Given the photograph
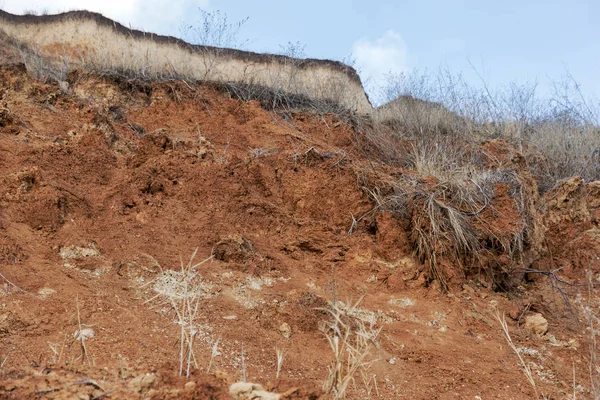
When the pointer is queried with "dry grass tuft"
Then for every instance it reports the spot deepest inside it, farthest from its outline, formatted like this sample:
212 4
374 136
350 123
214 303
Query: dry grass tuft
351 340
559 134
183 290
448 220
280 358
525 367
82 334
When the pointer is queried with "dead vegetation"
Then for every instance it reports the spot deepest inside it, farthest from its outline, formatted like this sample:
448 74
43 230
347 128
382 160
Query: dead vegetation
351 340
444 182
183 290
444 132
430 125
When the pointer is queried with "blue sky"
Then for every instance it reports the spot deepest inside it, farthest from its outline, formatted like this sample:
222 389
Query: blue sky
507 41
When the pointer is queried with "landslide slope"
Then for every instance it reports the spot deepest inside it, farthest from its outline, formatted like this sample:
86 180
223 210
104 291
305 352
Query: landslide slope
111 184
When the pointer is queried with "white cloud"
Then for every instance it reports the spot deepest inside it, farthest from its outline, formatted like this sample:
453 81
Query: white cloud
374 59
158 16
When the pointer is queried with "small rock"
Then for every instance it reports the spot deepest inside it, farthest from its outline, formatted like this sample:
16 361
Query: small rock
64 86
537 324
243 388
234 248
443 329
84 334
392 360
142 383
468 289
46 292
514 312
402 303
251 391
285 330
191 385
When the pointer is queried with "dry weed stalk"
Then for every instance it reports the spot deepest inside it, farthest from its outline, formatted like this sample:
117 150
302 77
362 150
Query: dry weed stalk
186 306
213 353
121 368
81 335
181 292
526 370
351 340
55 352
244 376
369 382
10 284
3 363
280 358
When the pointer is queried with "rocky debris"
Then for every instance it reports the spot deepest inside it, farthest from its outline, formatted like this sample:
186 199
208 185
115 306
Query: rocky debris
565 205
402 303
75 252
593 200
234 248
286 330
46 292
536 324
141 384
8 121
251 391
86 259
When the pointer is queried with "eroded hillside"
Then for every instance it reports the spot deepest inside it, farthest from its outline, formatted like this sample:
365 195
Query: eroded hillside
110 185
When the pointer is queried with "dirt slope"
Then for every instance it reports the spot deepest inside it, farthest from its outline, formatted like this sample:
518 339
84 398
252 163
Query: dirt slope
105 186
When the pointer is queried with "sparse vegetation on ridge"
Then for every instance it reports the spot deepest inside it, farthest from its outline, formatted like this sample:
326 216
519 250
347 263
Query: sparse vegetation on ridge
156 57
447 172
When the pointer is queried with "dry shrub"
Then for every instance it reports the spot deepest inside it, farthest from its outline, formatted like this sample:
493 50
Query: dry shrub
559 134
351 340
453 223
433 126
567 150
182 290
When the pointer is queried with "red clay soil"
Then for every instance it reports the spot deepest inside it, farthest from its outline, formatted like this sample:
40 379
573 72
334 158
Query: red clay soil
106 186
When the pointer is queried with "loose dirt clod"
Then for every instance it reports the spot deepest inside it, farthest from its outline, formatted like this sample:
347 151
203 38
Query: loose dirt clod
536 324
234 248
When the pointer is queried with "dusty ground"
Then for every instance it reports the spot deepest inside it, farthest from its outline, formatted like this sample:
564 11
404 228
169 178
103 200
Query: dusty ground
104 186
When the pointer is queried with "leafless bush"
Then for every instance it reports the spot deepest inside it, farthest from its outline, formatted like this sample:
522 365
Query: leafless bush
447 218
183 290
46 68
216 34
214 29
560 135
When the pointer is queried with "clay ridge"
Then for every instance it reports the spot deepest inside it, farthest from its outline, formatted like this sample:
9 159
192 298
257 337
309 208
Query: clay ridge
246 56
